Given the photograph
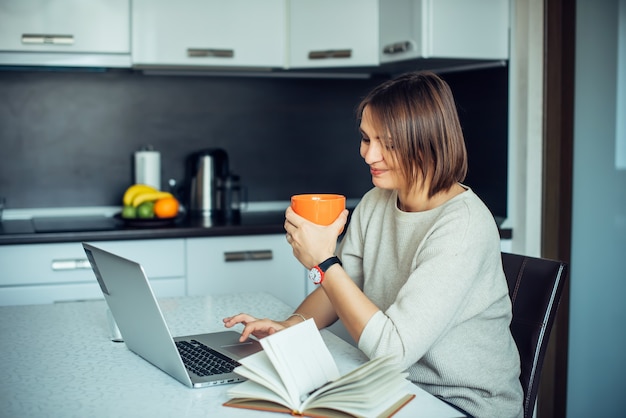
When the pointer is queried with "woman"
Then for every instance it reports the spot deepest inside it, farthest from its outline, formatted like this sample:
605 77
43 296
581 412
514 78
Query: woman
420 273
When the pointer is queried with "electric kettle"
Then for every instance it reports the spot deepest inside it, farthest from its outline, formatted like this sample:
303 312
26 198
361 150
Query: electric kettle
206 171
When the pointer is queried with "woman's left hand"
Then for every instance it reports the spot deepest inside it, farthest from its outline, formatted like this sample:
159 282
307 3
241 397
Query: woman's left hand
312 243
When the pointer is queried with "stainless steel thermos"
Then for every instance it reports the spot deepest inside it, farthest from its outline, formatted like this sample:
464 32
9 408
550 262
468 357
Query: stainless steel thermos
214 192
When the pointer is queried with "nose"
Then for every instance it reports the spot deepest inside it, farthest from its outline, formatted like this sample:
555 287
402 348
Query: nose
371 152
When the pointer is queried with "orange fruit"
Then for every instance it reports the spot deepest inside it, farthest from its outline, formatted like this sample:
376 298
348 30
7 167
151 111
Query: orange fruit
166 207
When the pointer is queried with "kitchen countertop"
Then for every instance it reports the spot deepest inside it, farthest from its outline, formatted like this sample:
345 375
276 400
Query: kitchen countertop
55 229
43 229
58 361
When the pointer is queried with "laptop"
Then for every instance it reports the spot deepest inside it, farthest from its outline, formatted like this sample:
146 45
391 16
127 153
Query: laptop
136 311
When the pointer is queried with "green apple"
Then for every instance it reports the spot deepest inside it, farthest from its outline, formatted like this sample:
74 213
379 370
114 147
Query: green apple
129 212
145 210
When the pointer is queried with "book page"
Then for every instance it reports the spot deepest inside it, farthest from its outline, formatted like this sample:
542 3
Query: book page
258 368
376 388
367 388
301 358
252 391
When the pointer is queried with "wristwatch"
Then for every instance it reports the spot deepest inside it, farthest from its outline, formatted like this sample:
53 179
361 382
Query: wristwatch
316 274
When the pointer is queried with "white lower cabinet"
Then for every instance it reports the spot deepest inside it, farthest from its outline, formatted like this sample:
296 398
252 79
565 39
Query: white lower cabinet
258 263
60 272
48 273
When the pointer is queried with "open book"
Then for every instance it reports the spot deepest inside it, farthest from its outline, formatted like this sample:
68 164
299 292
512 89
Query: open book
296 374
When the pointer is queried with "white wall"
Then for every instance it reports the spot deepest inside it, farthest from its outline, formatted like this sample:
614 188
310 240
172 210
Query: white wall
526 127
597 344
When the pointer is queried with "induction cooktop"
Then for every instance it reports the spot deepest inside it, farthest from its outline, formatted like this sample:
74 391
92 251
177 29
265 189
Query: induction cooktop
73 223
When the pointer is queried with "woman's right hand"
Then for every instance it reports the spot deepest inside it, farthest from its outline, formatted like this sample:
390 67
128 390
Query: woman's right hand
312 243
260 328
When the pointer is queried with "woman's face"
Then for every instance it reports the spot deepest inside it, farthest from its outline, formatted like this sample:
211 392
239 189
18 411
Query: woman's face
377 151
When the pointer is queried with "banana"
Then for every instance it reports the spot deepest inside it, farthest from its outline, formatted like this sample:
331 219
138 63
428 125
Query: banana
149 196
134 190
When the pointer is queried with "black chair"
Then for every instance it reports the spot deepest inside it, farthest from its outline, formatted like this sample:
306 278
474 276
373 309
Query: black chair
535 287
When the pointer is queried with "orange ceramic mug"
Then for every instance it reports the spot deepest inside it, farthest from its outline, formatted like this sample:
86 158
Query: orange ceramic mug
321 209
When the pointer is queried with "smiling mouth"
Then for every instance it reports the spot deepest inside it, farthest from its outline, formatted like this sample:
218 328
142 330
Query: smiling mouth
377 171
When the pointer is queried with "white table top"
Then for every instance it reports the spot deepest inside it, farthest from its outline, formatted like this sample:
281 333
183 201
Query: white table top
57 360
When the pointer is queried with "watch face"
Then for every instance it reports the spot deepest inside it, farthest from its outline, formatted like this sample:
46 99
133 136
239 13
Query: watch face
315 275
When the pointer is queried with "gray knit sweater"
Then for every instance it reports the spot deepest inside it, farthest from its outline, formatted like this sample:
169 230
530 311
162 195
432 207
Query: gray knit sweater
444 306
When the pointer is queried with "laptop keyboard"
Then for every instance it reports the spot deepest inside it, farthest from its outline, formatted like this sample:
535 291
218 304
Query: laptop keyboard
203 360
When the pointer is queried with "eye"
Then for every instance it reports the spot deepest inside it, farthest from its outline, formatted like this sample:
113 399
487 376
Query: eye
365 140
388 144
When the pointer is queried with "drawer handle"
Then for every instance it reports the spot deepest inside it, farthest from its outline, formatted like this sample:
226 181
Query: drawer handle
43 39
330 54
71 264
214 53
398 47
248 255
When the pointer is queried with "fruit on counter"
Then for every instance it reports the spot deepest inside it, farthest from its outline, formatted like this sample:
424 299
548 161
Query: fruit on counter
143 201
133 191
166 207
129 212
150 197
146 210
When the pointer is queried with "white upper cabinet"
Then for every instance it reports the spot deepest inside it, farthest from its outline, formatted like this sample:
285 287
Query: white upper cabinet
333 33
65 32
210 33
400 30
351 33
250 34
466 29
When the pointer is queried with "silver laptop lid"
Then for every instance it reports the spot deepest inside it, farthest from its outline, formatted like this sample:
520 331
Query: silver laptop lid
127 291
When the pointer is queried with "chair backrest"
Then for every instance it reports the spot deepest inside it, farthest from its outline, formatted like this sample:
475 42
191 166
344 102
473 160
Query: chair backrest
535 287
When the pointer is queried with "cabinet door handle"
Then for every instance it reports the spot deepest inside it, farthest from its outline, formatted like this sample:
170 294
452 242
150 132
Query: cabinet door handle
71 264
330 54
398 47
210 52
46 39
248 255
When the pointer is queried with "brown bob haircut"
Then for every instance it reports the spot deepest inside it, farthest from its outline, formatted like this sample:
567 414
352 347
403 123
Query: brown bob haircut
417 112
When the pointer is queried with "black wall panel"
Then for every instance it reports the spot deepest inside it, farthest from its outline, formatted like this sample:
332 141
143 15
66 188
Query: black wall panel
67 138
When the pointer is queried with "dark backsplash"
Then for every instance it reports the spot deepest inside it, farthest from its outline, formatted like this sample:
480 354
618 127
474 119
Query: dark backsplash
67 138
